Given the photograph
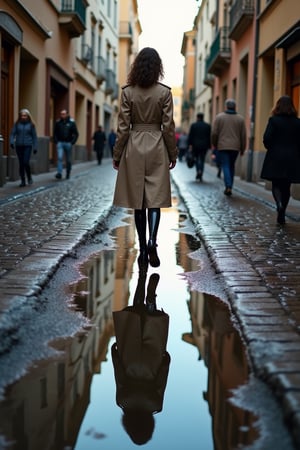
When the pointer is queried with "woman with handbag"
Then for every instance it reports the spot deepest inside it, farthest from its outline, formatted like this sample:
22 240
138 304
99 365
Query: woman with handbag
145 149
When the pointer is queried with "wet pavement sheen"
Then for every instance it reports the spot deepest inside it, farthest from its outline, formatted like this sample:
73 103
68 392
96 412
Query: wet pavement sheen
257 259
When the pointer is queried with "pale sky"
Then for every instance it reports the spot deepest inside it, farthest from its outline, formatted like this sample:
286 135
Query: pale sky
163 24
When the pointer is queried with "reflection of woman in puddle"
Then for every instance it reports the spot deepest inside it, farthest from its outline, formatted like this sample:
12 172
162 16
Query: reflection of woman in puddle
141 362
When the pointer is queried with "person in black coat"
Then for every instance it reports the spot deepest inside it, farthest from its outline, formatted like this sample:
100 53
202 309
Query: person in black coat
99 138
65 136
199 142
281 165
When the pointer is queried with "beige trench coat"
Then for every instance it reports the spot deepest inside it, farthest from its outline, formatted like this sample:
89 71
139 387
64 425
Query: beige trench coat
145 146
141 361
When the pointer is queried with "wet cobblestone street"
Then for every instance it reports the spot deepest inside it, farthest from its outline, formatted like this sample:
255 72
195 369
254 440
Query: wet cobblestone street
258 259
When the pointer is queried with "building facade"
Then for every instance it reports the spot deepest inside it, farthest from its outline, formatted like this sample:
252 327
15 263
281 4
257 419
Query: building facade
188 50
58 54
253 57
205 34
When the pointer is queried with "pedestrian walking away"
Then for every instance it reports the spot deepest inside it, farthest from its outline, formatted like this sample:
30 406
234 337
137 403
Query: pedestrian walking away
99 138
182 144
23 139
145 149
65 136
199 143
111 141
281 165
229 137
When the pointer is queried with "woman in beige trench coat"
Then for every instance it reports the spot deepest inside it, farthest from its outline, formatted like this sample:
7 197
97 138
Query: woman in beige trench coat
145 149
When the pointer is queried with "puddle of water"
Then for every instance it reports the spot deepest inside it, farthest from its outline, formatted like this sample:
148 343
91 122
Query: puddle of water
70 402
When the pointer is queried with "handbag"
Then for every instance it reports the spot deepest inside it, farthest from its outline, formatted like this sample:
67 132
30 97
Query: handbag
190 160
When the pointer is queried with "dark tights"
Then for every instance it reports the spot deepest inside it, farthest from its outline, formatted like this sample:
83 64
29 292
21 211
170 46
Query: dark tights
281 190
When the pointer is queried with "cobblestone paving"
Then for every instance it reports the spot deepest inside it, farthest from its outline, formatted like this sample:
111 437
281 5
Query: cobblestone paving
40 225
258 259
260 263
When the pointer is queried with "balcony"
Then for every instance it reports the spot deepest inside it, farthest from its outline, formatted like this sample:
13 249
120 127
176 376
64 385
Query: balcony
125 30
87 54
72 16
208 79
101 69
110 82
220 53
241 16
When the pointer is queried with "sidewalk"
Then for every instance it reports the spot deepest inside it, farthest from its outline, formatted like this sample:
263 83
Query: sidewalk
39 230
259 261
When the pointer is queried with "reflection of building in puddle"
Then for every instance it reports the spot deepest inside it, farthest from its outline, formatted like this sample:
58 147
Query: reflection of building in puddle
186 244
46 407
223 352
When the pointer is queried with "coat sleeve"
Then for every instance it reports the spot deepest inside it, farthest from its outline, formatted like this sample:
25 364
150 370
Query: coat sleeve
214 133
124 120
267 136
168 126
75 133
190 136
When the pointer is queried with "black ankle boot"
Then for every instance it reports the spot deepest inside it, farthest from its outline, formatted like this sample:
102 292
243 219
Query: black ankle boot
151 294
281 216
153 257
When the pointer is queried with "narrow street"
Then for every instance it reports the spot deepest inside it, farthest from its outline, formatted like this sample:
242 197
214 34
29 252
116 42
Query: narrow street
231 261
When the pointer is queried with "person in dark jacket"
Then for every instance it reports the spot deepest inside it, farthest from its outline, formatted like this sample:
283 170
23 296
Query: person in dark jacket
199 143
65 136
99 139
23 139
281 165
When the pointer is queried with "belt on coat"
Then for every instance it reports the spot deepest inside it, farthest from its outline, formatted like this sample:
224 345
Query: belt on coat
145 127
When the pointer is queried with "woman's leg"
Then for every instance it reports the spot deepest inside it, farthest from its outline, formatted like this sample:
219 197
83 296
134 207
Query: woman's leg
140 224
20 155
281 195
27 155
286 193
153 224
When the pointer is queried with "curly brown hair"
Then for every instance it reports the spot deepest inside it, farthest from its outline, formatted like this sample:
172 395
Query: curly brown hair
147 68
284 106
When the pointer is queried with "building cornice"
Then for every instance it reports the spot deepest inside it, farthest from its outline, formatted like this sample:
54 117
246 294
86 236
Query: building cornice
29 17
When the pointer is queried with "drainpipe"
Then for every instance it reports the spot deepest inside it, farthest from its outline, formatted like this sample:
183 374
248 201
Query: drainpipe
252 122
